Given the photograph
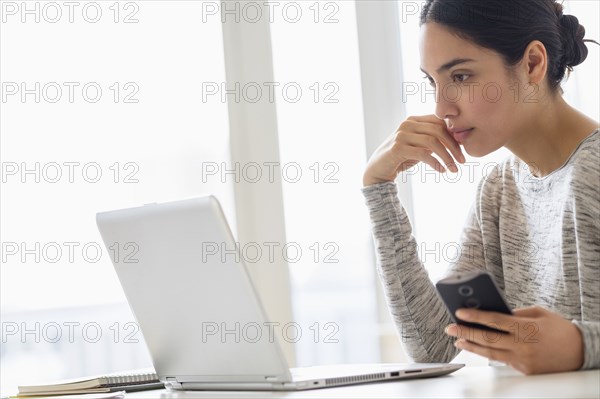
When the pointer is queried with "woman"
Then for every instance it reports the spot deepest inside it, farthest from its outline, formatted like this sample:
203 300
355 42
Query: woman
543 201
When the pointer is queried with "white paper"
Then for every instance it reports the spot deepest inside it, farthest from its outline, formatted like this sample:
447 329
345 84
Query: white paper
107 395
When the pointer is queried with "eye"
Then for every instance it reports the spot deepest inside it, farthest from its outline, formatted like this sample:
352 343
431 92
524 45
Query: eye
465 76
430 80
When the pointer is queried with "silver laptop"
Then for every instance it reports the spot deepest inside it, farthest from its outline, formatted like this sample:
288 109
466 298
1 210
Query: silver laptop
200 316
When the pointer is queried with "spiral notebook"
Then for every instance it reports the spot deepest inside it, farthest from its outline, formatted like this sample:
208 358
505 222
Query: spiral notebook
127 381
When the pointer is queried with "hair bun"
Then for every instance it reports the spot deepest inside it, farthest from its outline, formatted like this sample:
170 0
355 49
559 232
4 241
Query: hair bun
575 50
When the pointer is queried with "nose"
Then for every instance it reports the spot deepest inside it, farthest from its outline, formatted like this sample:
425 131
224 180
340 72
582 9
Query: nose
446 101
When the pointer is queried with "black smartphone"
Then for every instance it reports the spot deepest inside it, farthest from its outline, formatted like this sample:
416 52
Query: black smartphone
472 290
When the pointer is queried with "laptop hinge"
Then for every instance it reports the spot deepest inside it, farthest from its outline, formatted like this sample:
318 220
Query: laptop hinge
171 382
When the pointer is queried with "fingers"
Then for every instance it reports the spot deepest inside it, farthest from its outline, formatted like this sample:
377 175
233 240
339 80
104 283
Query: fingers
416 140
433 144
443 134
427 118
487 318
421 154
531 311
515 329
497 354
481 337
434 137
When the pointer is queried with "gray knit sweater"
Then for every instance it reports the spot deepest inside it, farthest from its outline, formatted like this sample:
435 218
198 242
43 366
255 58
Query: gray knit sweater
538 237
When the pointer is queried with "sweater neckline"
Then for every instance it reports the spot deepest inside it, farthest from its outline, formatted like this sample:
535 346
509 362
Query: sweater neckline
532 177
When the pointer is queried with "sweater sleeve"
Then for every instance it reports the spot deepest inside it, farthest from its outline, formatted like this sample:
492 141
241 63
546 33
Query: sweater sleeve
419 314
590 331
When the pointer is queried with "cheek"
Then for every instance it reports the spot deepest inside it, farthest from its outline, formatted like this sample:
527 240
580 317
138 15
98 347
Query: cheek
493 109
492 114
505 114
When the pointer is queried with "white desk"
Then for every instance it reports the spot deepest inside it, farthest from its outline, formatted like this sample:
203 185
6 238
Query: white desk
468 382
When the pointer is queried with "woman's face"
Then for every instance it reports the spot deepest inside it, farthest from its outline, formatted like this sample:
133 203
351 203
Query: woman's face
478 94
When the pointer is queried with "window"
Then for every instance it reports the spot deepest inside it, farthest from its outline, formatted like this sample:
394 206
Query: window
321 134
102 113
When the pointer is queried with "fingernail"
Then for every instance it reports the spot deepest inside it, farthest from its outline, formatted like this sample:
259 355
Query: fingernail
462 158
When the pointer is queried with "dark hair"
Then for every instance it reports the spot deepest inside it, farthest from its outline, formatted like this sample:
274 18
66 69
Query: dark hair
508 26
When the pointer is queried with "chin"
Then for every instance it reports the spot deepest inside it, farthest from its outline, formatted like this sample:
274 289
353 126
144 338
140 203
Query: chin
476 151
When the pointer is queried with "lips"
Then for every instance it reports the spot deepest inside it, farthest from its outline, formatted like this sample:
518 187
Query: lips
460 134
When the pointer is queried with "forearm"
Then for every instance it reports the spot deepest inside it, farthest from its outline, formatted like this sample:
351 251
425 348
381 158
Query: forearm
418 313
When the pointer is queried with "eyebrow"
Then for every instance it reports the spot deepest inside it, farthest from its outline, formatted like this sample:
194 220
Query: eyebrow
450 64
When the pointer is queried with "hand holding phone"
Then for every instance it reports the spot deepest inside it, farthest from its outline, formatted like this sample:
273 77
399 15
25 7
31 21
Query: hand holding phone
472 290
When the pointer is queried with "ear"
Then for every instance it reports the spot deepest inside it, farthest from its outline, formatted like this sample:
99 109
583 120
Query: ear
535 62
